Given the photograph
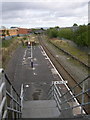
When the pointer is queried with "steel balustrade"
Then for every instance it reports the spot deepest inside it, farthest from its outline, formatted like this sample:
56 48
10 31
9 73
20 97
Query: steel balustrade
10 101
54 93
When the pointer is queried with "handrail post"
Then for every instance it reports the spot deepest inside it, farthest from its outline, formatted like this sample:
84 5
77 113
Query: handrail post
4 93
83 89
52 90
72 101
11 102
16 106
22 95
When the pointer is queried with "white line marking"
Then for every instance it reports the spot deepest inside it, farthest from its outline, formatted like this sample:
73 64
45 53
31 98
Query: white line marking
57 55
46 58
61 78
34 68
53 71
35 73
35 59
27 86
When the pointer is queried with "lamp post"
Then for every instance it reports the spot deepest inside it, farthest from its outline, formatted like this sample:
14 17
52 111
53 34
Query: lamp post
31 51
31 56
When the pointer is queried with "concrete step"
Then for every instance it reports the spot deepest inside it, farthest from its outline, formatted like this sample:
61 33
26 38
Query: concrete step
40 109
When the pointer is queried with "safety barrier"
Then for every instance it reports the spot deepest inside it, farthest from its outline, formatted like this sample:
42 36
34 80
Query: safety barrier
10 101
63 98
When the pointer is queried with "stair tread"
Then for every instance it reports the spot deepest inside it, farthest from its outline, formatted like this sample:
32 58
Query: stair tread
39 103
40 109
41 113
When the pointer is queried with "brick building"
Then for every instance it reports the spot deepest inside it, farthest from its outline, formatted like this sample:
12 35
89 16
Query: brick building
14 31
23 31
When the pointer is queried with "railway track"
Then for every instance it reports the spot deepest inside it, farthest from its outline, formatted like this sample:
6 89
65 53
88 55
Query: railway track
75 58
65 74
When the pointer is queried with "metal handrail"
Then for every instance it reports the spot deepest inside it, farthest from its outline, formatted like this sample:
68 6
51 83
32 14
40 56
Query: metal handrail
76 106
9 108
22 95
11 85
2 105
57 96
76 86
75 96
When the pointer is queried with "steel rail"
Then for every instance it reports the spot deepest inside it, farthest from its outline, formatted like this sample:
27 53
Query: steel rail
66 75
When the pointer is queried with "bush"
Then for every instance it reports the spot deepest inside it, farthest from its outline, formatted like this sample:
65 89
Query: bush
80 36
65 33
52 33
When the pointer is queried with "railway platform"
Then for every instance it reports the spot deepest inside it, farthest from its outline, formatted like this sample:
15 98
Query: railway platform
36 92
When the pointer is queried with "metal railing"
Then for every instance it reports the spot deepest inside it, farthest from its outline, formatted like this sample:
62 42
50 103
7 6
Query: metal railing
62 99
10 101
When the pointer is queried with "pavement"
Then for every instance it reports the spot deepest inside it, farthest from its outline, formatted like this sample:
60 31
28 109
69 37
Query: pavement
36 80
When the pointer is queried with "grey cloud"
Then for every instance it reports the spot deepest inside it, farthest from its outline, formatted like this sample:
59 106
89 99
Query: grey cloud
40 12
14 6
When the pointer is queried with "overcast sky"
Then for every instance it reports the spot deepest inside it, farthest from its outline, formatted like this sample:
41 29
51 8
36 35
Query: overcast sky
44 13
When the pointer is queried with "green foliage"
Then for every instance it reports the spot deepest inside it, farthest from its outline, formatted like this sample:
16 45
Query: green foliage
3 33
7 32
75 24
57 27
65 33
6 43
88 35
80 36
52 32
24 38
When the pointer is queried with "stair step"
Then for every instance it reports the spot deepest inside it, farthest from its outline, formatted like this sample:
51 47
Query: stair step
39 103
40 109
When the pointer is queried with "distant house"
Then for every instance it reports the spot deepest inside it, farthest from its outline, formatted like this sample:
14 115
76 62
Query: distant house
14 31
38 31
23 31
0 33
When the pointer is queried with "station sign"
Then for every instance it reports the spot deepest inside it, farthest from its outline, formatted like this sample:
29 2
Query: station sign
60 82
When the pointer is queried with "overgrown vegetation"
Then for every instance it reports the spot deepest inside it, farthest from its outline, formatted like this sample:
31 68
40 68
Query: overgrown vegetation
6 43
66 46
8 46
79 36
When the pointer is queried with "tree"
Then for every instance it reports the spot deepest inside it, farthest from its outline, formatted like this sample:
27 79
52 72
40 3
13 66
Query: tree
52 33
65 33
75 24
81 36
8 33
57 27
42 29
4 32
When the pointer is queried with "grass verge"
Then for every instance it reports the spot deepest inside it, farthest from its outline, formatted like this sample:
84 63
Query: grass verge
65 45
7 49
